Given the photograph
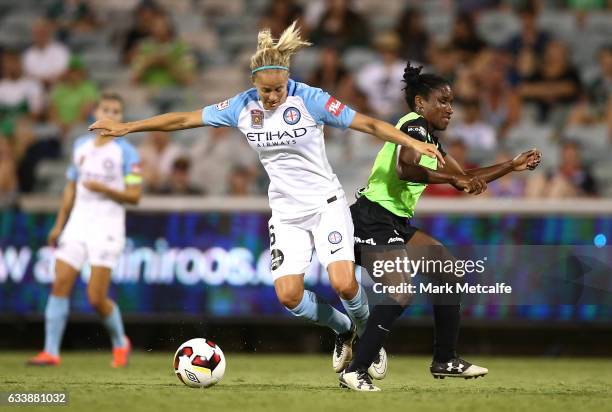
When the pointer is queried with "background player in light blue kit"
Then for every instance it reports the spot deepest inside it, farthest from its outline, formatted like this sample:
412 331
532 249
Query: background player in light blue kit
90 228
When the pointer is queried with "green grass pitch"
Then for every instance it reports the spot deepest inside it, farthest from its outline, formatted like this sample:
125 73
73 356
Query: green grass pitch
295 383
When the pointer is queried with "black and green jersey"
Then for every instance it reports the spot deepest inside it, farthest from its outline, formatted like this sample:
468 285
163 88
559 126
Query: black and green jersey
384 186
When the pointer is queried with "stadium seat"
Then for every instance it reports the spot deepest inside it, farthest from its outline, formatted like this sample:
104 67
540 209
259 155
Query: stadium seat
600 22
497 26
305 62
560 24
50 176
602 172
439 25
44 131
592 139
101 58
529 132
357 57
19 23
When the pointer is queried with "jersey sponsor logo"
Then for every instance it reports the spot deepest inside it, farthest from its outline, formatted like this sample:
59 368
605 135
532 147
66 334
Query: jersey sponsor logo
334 106
334 237
417 129
86 175
395 240
368 241
291 116
277 258
257 118
223 105
276 138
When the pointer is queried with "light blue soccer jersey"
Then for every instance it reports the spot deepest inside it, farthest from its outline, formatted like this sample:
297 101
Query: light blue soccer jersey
290 143
114 164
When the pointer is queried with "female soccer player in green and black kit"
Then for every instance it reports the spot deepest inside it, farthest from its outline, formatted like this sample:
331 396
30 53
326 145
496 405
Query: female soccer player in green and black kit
381 218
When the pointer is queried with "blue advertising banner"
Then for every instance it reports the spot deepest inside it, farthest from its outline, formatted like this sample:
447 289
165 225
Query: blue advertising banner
217 264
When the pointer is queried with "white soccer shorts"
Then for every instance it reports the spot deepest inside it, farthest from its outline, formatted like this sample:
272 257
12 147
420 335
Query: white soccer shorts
104 251
329 233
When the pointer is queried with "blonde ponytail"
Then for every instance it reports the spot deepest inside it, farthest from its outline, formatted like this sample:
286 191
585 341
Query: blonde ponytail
277 55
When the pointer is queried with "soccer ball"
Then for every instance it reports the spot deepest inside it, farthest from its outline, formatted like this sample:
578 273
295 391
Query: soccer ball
199 363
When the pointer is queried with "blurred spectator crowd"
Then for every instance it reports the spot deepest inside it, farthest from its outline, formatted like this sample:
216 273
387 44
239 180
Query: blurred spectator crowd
524 73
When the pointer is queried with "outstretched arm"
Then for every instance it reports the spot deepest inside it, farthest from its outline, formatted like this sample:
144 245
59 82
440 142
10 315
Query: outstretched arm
387 132
164 122
523 161
409 169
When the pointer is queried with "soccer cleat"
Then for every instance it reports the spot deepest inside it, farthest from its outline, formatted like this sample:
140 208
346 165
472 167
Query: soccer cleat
44 359
378 368
357 381
343 349
121 355
456 368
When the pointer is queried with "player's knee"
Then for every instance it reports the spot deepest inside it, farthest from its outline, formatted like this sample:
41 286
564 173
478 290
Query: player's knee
289 298
345 288
96 300
60 288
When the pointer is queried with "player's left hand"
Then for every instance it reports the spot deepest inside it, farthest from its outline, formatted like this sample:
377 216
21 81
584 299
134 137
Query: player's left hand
95 186
527 160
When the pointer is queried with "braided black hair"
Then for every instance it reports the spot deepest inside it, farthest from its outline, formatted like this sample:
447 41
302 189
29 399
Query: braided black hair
420 84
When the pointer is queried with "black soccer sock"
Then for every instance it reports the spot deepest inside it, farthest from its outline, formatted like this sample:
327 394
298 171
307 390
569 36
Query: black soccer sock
378 327
447 321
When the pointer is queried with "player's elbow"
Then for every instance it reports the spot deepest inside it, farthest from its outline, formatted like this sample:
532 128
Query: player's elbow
134 200
365 124
375 126
412 173
189 120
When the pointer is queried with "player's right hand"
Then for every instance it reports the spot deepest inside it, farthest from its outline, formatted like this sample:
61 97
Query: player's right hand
109 128
470 184
53 236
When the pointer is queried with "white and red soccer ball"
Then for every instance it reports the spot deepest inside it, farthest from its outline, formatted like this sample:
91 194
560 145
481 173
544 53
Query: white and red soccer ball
199 363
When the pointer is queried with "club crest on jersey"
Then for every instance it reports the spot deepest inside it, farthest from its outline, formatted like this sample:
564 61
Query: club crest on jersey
223 105
292 115
334 237
108 164
257 118
334 106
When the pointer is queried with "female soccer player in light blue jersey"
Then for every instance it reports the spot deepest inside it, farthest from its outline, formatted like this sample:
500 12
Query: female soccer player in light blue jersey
283 121
90 228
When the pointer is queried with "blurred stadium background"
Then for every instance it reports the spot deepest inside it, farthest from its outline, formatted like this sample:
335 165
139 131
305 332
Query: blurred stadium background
525 74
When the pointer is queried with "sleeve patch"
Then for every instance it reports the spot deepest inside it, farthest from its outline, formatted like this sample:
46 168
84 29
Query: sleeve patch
417 129
334 106
223 105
